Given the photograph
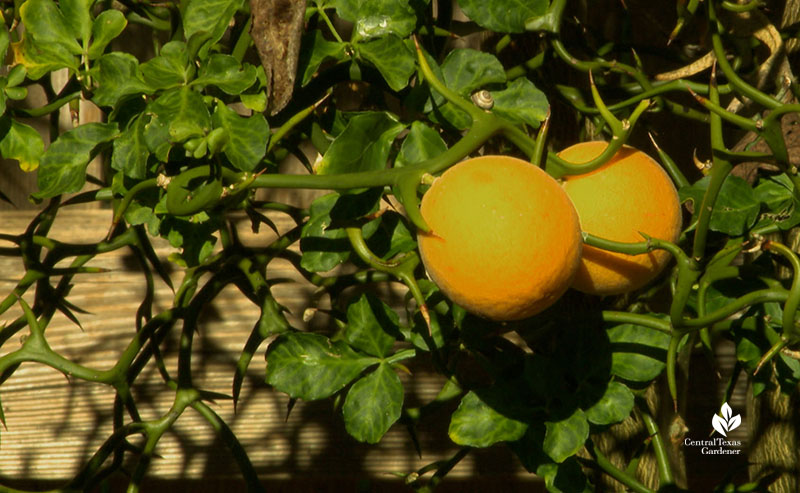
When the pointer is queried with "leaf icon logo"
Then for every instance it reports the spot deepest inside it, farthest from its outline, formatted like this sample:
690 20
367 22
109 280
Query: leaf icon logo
727 422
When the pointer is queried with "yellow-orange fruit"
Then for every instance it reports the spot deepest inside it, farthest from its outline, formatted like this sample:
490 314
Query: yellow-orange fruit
505 241
629 194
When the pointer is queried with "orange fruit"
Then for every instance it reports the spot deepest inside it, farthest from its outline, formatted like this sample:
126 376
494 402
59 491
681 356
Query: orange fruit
505 241
629 194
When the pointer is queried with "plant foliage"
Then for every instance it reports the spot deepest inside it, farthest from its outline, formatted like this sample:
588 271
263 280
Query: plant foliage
191 132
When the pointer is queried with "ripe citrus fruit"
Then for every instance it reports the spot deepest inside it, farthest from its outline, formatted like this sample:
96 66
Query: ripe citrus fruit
505 241
629 194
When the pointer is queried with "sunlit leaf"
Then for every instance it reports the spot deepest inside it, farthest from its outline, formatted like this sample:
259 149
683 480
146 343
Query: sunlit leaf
131 151
108 25
466 70
615 405
374 18
736 208
184 112
363 145
521 102
392 59
62 168
311 366
118 75
372 326
209 17
21 142
77 17
225 72
170 68
477 424
564 438
373 404
247 137
503 15
421 143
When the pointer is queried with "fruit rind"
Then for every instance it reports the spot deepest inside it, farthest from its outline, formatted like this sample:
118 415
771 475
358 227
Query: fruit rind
505 241
629 195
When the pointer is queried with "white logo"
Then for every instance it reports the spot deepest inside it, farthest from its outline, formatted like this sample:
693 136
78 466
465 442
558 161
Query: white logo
727 422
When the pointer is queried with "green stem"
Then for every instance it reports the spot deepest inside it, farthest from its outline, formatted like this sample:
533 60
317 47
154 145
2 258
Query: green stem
752 298
328 23
672 366
609 468
719 172
402 268
244 41
558 167
49 108
294 120
648 321
539 150
659 447
450 95
737 82
669 164
788 326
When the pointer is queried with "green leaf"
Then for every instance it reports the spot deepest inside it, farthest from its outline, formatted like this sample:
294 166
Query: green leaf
477 424
247 137
131 151
62 168
521 102
170 68
77 17
323 248
372 326
117 75
421 143
195 237
5 40
638 353
567 476
311 366
364 144
564 477
505 16
375 18
373 404
565 438
107 26
21 142
775 193
615 405
392 59
185 113
48 42
156 136
323 240
46 23
40 58
225 72
735 210
392 237
315 49
209 18
255 102
466 70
